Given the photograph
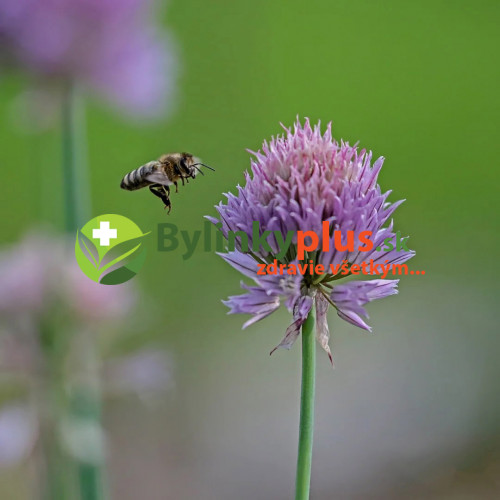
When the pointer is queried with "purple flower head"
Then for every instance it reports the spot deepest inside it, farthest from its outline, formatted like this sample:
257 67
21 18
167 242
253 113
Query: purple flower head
39 275
299 180
109 46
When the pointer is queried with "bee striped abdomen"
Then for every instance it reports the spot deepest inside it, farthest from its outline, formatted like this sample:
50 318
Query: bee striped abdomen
137 179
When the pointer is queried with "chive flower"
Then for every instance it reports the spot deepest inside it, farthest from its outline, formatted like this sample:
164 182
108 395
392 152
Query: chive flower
298 181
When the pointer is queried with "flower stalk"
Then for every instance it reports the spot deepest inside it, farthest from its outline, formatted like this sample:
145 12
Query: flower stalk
49 401
299 181
85 406
85 398
306 426
75 175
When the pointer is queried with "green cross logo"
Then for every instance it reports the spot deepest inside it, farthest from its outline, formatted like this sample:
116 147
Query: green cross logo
109 249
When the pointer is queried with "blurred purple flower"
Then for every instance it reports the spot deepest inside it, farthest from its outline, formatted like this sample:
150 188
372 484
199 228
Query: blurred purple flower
300 180
109 46
40 274
48 307
43 289
90 301
22 280
145 373
18 433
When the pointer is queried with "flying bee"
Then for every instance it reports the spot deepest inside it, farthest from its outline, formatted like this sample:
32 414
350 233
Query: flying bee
159 175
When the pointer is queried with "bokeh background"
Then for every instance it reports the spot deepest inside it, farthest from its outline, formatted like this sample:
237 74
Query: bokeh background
410 411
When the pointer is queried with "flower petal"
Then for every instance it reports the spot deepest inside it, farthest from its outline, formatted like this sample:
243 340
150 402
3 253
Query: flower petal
256 302
351 297
242 262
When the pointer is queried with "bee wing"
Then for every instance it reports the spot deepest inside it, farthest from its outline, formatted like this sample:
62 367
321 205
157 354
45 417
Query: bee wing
151 166
157 173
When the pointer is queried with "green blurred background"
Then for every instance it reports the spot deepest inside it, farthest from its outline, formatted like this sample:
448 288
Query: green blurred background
409 412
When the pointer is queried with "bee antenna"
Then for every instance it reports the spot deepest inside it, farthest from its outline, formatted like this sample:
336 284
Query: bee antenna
213 169
199 170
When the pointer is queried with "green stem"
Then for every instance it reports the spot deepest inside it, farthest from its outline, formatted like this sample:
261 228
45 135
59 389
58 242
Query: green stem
90 482
75 175
49 402
306 428
85 406
85 399
91 475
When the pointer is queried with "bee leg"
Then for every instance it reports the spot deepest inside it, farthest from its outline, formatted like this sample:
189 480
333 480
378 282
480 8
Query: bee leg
156 190
176 187
182 178
166 198
163 193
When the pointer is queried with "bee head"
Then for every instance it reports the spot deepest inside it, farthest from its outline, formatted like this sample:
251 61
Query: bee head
195 164
186 165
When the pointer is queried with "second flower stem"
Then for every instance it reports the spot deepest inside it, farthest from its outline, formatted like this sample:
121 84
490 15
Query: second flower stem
306 428
76 190
84 402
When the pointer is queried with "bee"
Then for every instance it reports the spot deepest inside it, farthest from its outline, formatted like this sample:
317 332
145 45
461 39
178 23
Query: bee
159 175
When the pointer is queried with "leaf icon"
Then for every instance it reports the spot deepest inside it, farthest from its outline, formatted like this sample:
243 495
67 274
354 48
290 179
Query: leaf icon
117 276
124 269
88 249
121 263
119 250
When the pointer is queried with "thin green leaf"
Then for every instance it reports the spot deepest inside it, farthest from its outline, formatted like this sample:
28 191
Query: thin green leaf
121 263
119 250
88 249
